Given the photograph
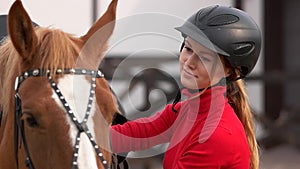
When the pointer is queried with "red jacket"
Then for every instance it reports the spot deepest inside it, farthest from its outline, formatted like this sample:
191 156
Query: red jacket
204 134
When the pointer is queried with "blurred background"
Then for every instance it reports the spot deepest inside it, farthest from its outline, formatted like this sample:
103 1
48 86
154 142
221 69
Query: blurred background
141 63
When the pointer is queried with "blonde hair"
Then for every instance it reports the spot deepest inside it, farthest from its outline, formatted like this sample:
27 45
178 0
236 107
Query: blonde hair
238 99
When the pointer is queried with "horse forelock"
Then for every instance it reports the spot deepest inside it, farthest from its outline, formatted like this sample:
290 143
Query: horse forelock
56 49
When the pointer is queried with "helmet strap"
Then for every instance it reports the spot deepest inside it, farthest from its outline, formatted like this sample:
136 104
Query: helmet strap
182 46
234 76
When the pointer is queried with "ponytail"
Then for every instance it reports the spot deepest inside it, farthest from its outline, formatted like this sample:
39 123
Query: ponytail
237 96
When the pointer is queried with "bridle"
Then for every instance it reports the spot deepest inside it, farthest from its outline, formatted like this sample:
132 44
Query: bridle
81 126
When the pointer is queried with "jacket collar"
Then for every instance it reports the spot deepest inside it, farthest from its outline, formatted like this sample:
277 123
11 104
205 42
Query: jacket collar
212 97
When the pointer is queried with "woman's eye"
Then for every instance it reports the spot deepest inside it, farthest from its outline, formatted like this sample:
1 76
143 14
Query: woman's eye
188 49
205 59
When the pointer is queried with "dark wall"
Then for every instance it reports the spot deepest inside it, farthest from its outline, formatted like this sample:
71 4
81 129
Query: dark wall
291 50
273 13
282 60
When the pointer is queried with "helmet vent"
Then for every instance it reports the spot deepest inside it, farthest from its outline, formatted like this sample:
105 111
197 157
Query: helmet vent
243 48
204 12
220 20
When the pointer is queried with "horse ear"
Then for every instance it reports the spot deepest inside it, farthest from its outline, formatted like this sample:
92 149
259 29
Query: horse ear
21 30
107 22
95 40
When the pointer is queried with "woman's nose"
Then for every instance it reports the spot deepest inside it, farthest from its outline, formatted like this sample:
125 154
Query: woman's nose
191 61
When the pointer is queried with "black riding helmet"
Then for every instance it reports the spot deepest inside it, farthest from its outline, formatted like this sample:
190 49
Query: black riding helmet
227 31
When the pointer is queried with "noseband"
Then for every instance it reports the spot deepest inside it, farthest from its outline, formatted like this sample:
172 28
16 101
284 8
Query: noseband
81 126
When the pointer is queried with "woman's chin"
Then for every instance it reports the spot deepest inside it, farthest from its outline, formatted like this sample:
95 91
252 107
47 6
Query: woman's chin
191 84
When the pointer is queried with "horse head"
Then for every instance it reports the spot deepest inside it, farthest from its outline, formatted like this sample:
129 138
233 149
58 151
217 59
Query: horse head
57 107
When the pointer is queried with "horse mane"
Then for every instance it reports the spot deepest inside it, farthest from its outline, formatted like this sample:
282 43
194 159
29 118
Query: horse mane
9 58
55 50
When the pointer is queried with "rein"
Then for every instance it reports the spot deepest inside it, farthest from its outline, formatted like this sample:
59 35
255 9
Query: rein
81 126
1 114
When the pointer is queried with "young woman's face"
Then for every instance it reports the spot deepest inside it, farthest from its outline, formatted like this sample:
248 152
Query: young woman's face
199 66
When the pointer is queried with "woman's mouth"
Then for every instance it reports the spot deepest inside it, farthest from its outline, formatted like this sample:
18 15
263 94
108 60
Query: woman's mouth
188 74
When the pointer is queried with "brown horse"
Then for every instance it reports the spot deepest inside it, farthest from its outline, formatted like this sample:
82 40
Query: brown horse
56 105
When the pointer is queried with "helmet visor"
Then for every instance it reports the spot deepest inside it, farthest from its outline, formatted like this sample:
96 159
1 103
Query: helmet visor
192 31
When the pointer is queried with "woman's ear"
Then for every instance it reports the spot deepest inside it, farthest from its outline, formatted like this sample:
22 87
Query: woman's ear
228 72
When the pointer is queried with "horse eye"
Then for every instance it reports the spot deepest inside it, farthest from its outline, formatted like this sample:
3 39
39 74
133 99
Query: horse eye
31 121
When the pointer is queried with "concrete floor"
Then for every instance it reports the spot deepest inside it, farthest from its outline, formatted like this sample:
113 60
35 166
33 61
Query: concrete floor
281 157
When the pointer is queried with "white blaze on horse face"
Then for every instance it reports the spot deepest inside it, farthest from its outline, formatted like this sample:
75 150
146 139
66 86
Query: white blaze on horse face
76 90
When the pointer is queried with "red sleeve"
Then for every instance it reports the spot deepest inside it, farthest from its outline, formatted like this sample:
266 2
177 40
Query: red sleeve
143 133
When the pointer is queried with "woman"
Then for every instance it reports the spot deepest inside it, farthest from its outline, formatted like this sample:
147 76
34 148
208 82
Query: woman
213 127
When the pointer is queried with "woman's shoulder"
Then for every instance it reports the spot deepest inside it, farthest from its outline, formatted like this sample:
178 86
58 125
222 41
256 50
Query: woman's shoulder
230 123
230 133
228 130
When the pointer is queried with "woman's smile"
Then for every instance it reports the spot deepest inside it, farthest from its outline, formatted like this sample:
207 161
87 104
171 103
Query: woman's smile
188 74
